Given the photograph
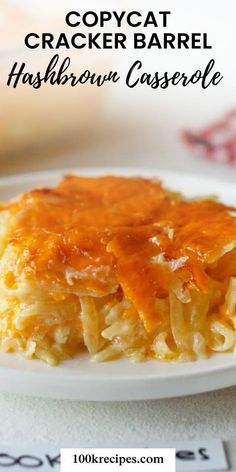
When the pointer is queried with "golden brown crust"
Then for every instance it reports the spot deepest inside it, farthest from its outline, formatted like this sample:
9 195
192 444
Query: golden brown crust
98 234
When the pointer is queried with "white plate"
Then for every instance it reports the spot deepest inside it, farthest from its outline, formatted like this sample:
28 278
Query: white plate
80 379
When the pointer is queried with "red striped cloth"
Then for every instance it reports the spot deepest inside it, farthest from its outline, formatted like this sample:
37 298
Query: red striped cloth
217 141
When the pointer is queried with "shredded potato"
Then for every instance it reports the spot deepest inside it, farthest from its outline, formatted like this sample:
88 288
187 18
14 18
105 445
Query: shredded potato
116 267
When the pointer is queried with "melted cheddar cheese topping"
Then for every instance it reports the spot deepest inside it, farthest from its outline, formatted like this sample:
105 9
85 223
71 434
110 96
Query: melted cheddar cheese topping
127 238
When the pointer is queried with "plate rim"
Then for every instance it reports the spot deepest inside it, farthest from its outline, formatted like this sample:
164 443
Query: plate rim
135 171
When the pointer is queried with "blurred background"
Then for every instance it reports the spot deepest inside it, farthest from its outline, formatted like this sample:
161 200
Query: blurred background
57 127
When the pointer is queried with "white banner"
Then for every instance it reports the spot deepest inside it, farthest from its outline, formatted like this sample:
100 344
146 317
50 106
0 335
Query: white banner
122 460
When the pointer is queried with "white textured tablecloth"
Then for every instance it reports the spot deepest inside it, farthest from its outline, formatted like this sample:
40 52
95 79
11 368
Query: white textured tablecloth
36 421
